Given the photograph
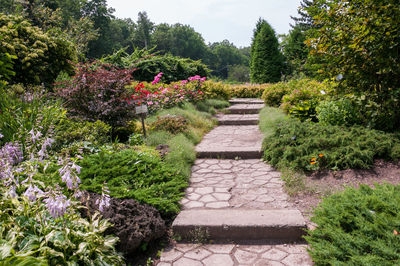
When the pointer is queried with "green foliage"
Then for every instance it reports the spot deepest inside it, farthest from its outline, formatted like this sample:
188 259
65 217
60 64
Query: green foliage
304 98
247 90
266 60
349 34
29 236
182 154
40 57
298 145
239 73
69 131
170 123
273 94
211 105
341 112
295 50
147 65
216 90
357 227
270 118
136 139
137 175
19 112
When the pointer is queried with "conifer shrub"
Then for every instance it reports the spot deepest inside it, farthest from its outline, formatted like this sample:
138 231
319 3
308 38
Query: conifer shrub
357 227
310 146
247 90
137 175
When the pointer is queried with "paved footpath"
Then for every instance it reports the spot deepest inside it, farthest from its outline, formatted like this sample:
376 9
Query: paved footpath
235 202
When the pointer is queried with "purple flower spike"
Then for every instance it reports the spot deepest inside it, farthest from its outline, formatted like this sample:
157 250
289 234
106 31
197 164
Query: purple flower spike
33 192
57 204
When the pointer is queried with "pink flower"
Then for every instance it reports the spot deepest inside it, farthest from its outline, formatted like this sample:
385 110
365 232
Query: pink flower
149 103
203 79
183 82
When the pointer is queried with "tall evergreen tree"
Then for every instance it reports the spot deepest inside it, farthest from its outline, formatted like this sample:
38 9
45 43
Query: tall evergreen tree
304 21
266 60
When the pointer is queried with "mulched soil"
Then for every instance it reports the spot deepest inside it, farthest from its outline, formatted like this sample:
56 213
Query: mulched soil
325 182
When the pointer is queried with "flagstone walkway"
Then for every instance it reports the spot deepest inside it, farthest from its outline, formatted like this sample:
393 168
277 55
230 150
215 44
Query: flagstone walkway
235 202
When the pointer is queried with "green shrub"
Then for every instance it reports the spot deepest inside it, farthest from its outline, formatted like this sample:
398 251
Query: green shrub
136 139
357 227
210 105
341 113
137 175
148 65
69 131
171 123
216 90
273 94
182 154
20 112
40 57
304 98
247 90
311 146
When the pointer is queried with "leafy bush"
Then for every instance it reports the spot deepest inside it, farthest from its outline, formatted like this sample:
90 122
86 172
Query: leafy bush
137 175
171 123
273 94
69 131
357 227
247 90
216 90
40 57
39 224
97 92
304 98
20 112
311 146
148 65
341 113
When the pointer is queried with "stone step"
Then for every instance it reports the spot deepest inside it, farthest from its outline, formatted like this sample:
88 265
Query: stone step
245 108
238 119
246 101
240 225
231 142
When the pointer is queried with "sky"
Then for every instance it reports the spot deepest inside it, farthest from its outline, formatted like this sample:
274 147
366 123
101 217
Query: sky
215 20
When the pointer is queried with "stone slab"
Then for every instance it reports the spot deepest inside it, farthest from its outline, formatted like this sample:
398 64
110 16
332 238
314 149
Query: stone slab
245 108
238 119
230 254
227 184
246 101
231 142
241 224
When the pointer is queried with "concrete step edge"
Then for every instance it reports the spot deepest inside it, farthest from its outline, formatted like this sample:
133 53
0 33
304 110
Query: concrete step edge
240 225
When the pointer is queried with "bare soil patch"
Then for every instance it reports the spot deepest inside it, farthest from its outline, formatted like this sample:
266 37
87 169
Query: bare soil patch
324 183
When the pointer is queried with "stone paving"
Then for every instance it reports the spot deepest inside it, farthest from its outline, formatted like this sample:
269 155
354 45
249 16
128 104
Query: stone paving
246 101
230 255
235 184
238 185
234 139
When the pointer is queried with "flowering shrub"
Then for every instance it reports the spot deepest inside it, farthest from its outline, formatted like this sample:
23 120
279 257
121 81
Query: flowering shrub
40 225
167 97
97 92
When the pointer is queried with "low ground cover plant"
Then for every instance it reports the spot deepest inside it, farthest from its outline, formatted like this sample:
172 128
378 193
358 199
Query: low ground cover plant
310 146
137 175
357 227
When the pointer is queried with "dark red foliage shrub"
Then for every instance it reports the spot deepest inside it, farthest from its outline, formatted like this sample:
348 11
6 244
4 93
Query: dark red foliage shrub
97 92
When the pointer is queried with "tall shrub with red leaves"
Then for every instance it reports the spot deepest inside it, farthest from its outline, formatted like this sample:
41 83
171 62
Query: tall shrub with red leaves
97 92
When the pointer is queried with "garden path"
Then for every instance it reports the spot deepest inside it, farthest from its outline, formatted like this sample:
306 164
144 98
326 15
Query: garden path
235 202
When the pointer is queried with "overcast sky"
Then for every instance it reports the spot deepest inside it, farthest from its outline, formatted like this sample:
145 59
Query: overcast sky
215 20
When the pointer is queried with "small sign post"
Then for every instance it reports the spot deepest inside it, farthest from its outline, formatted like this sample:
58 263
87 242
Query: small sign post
142 110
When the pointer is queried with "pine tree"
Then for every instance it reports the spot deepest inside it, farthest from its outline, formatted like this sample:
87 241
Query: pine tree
304 21
266 60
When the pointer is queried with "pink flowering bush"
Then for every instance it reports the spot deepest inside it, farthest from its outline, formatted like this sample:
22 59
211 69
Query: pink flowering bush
167 96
